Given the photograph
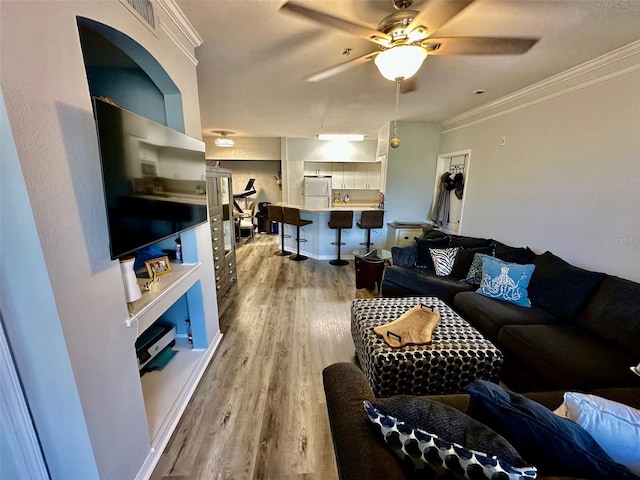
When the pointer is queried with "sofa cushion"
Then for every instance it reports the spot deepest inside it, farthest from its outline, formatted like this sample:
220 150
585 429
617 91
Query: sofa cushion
566 356
613 312
430 232
443 259
557 446
448 423
561 288
489 315
423 256
469 242
415 281
435 457
615 426
404 256
505 281
464 259
514 254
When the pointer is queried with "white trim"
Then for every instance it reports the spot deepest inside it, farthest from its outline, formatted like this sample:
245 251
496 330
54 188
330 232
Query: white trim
161 439
174 38
443 159
17 426
178 17
460 121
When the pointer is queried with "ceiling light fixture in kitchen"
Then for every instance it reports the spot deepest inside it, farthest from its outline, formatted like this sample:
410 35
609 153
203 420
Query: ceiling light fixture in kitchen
223 141
341 137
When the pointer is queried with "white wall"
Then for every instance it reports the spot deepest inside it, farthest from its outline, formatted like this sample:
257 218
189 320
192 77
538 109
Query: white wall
567 179
78 299
411 172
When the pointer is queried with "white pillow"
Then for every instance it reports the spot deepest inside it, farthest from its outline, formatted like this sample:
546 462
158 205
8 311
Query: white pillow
443 260
615 426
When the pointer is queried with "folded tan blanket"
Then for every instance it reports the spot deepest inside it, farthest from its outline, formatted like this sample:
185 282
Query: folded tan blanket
413 327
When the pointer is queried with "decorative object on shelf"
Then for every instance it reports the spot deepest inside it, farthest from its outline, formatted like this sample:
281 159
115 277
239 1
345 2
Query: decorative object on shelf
131 288
223 141
158 266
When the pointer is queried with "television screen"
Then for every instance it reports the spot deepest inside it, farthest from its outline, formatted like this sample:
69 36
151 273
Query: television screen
153 179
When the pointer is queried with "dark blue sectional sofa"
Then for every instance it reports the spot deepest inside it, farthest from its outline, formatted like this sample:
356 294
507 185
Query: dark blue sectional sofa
581 332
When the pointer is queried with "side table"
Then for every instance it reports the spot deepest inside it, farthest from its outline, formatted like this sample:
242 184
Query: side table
370 267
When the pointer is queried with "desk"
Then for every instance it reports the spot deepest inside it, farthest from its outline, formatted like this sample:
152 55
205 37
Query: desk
370 267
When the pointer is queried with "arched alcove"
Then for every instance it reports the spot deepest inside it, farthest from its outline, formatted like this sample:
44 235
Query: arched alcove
118 67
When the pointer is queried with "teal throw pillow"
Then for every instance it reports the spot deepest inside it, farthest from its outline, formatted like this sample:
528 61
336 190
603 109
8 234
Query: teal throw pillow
505 281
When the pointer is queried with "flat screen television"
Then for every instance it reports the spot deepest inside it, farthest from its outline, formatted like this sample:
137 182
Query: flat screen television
142 205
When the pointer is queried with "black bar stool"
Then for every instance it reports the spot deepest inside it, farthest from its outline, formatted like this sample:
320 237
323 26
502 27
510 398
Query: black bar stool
292 217
276 215
339 219
368 220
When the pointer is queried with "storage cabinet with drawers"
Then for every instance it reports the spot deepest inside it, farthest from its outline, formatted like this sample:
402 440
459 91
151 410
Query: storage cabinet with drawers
220 199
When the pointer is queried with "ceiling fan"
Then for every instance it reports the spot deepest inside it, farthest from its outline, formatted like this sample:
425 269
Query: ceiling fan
406 37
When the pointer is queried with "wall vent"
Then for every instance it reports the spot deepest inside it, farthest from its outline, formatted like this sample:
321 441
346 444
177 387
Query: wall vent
145 9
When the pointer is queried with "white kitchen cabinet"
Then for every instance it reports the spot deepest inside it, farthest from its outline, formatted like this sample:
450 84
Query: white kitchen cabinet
317 168
367 176
343 176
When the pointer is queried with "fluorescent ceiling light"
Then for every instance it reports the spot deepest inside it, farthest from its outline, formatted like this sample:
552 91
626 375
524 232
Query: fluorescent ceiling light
400 62
337 137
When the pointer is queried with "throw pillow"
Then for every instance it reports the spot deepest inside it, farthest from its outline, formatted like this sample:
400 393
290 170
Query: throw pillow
561 288
615 426
469 242
505 281
557 446
423 256
450 423
443 259
474 276
435 457
404 256
464 259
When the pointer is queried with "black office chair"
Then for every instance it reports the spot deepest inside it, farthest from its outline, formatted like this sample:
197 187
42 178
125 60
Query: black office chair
292 217
339 219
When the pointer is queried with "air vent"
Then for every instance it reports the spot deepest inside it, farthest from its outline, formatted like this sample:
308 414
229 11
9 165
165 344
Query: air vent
145 9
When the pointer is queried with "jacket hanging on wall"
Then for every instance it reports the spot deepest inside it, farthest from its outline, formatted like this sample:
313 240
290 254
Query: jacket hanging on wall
458 185
440 210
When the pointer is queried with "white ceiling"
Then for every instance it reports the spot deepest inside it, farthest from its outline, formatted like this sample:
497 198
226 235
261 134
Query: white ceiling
254 59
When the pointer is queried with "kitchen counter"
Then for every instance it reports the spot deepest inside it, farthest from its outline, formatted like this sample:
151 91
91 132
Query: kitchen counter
319 236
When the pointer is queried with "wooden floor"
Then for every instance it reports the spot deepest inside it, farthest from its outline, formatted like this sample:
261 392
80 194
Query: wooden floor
259 411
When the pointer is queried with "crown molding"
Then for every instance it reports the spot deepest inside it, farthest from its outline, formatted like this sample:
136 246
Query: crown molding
174 38
536 92
178 17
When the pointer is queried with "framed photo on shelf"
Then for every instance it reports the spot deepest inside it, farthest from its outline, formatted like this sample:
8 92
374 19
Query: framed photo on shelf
158 266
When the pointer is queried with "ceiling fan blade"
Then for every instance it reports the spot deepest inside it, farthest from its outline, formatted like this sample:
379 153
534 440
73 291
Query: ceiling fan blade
343 67
363 31
478 45
437 13
408 85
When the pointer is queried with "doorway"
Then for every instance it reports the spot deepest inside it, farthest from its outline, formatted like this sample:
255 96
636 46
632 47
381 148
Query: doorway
449 191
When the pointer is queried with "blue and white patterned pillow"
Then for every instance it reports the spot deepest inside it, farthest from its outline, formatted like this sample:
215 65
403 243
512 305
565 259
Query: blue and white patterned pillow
505 281
436 458
443 260
474 277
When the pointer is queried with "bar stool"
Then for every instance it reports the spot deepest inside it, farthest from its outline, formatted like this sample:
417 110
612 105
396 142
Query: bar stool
339 220
276 215
292 217
368 220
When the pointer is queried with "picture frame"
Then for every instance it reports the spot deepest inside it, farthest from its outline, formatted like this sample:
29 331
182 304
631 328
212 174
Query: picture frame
157 267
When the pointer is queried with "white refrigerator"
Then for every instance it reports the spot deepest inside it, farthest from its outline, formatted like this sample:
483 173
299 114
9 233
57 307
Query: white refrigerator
317 192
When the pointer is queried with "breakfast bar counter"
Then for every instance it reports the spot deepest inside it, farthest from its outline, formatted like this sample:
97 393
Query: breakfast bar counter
320 237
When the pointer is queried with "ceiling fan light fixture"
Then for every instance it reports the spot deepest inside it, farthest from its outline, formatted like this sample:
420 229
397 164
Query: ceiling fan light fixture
224 142
400 62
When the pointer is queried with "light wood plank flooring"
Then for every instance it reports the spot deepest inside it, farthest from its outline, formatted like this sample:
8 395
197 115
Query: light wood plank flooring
259 411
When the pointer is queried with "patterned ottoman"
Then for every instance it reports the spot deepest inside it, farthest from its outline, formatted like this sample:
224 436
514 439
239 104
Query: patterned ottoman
458 354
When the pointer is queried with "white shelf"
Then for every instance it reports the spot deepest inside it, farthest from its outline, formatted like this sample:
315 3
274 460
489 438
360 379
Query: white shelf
170 287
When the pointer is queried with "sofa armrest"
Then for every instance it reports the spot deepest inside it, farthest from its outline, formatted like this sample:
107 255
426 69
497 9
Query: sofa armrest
360 453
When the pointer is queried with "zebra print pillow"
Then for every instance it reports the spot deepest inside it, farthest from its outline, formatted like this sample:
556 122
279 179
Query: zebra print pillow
443 259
